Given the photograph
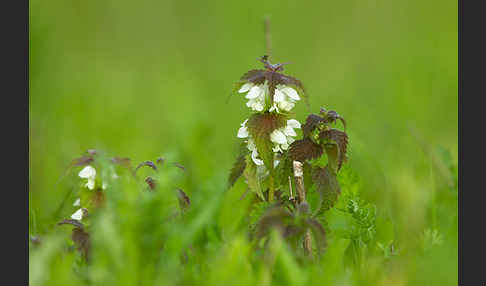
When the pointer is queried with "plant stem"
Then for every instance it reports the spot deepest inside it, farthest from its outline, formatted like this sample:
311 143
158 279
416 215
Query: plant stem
268 37
299 183
271 188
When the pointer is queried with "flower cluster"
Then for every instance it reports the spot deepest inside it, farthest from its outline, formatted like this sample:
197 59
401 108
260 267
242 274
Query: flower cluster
88 173
281 138
284 97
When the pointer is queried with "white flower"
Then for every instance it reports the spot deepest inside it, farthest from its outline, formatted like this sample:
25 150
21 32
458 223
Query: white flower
77 203
255 92
277 136
251 145
246 87
243 131
254 157
257 104
293 123
88 173
284 98
284 136
78 215
256 95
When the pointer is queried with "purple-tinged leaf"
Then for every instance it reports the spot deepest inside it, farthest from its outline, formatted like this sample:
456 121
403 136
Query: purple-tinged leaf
341 139
312 121
254 76
150 182
160 160
184 201
327 186
74 222
148 164
304 149
82 241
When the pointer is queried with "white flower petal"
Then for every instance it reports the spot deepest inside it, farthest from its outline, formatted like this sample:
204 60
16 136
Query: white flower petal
290 92
290 140
78 215
242 132
284 146
77 203
255 92
293 123
244 123
90 184
275 163
246 87
286 105
273 108
104 186
276 149
251 145
258 106
254 156
278 137
278 96
87 172
289 131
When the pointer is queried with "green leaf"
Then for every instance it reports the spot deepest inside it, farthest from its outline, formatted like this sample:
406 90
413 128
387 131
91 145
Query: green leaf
251 176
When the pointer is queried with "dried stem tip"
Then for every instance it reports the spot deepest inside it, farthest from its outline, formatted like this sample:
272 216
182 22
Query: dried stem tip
298 171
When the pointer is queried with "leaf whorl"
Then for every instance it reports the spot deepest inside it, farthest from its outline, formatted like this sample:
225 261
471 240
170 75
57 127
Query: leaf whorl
254 76
341 139
304 149
311 122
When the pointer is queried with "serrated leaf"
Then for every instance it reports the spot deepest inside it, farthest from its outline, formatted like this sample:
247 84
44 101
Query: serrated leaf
341 139
327 186
238 167
311 122
260 126
304 149
254 76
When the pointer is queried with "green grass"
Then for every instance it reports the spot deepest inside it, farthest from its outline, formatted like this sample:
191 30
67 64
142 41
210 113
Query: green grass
151 78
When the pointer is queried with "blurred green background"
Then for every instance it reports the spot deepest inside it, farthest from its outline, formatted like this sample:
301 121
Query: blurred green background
143 78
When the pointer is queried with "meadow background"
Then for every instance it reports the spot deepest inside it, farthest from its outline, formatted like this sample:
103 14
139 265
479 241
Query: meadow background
143 79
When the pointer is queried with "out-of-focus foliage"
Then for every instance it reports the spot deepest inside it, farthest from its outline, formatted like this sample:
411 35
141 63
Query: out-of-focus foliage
150 79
